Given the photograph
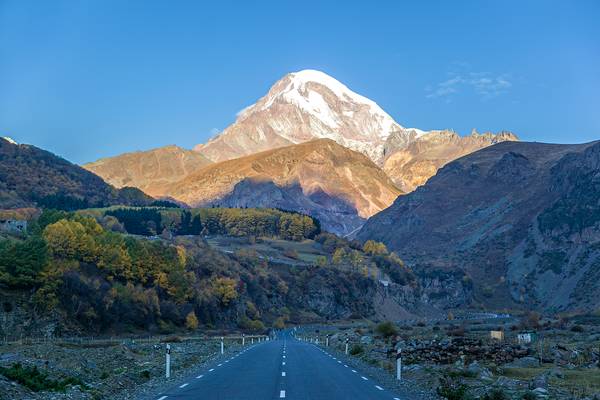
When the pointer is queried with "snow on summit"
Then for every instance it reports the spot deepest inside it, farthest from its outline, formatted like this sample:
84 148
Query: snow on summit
307 105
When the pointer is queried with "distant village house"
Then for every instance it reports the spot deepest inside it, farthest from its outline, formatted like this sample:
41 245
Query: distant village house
497 335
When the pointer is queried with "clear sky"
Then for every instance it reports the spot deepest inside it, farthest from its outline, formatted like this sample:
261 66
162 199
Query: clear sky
88 79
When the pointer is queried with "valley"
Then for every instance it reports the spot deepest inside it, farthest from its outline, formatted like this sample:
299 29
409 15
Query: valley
314 218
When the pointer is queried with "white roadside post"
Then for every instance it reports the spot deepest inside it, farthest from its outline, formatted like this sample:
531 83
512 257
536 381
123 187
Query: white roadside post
243 340
347 345
251 340
168 363
222 345
327 341
399 364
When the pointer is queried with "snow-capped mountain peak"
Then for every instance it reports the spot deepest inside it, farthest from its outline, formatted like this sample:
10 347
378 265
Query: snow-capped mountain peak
303 106
9 139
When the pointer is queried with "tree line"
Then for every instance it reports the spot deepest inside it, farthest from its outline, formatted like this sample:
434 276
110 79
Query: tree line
218 221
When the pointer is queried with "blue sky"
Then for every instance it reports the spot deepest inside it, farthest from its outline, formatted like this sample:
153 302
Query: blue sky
88 79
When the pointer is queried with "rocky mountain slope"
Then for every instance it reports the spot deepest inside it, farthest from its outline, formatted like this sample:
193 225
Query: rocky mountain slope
30 176
308 105
522 219
321 178
151 170
412 165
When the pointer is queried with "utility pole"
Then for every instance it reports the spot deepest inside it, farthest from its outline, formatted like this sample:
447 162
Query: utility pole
399 364
168 364
221 344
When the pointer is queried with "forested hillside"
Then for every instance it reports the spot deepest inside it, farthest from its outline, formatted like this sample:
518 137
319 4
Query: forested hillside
89 277
30 176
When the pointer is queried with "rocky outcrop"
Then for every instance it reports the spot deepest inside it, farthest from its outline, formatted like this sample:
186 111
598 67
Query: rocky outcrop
411 163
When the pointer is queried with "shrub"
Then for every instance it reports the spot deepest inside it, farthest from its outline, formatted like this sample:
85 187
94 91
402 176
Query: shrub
386 329
452 390
577 328
495 394
37 381
356 350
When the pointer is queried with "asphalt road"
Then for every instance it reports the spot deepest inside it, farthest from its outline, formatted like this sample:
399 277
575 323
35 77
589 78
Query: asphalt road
285 368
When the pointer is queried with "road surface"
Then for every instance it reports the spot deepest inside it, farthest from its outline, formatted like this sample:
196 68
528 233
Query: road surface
285 368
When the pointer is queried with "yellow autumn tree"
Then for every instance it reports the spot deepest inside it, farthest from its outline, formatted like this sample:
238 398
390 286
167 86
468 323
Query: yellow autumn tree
371 247
191 321
225 290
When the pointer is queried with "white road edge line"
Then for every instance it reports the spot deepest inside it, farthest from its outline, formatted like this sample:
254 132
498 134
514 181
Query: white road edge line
282 394
379 387
184 385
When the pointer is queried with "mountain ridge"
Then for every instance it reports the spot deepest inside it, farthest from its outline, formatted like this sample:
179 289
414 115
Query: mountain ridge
503 214
319 174
149 170
30 176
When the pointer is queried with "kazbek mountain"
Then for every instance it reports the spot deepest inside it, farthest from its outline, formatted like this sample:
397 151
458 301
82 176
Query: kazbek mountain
304 106
339 186
300 108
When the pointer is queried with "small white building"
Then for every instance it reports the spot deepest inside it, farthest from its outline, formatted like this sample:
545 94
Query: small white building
525 337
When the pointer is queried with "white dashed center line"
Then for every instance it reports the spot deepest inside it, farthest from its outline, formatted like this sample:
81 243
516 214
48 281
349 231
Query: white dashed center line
283 373
163 398
282 394
354 370
219 365
211 370
378 387
184 385
199 376
364 378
